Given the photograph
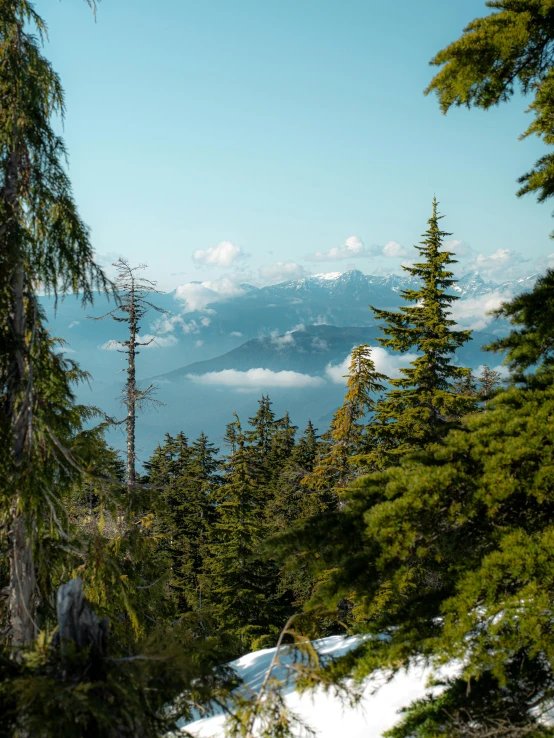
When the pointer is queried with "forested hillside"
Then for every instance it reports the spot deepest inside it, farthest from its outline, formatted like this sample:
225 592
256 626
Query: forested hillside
411 507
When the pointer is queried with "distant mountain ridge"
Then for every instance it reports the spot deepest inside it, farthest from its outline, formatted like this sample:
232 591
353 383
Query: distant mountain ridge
301 325
334 298
309 350
356 284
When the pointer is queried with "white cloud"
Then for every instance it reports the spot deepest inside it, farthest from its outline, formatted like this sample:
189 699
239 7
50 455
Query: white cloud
150 340
385 363
198 295
236 334
223 255
281 271
74 323
544 262
459 248
190 327
287 339
503 264
393 250
499 264
471 313
198 343
257 378
353 247
106 259
168 323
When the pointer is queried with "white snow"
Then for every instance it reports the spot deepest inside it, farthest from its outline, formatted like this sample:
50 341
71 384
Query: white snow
324 712
328 275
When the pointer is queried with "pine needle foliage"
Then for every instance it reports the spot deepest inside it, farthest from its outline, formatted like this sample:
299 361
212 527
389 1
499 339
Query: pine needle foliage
531 345
423 404
447 556
242 587
509 50
43 244
347 435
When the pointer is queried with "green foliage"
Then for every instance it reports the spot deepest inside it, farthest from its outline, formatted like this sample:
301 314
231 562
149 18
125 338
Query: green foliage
243 588
447 556
120 696
531 346
184 480
512 47
423 404
347 436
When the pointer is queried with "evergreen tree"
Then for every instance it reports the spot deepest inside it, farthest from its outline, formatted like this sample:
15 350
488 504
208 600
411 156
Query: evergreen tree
259 440
510 48
489 380
423 403
447 555
282 446
292 503
466 385
531 345
242 587
306 451
43 242
193 493
50 460
347 434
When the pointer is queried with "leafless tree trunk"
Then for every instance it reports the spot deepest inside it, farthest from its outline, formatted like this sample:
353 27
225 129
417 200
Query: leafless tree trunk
133 305
131 389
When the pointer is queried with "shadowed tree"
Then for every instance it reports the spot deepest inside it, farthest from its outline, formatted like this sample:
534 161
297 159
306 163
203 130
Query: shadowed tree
44 245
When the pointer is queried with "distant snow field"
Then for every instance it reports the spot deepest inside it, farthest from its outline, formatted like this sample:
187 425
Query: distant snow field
326 714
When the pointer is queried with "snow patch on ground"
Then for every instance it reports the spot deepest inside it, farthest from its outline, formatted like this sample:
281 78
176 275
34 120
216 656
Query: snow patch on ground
325 713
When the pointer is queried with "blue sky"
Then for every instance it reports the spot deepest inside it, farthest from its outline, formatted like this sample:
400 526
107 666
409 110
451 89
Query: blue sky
229 141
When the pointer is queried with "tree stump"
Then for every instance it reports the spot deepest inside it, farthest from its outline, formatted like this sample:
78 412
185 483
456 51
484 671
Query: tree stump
77 621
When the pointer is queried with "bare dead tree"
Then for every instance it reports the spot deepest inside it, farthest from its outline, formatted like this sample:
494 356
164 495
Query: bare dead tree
133 305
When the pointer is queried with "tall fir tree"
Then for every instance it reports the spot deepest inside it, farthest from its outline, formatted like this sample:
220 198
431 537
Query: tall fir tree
44 244
447 555
241 585
423 403
49 457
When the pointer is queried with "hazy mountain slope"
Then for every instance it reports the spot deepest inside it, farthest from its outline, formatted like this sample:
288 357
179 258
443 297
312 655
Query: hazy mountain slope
310 350
259 327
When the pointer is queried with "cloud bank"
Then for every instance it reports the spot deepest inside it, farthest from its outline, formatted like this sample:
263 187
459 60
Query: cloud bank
282 271
353 247
256 378
198 295
472 313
